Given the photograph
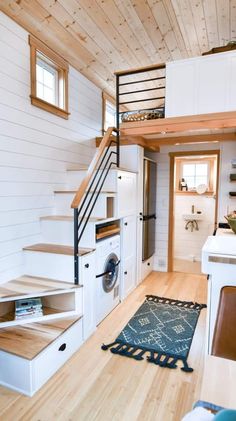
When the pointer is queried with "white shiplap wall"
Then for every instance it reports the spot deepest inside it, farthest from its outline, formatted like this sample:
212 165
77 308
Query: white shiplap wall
228 152
36 147
188 245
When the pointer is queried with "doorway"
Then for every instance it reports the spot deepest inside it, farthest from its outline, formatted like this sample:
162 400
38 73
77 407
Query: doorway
193 207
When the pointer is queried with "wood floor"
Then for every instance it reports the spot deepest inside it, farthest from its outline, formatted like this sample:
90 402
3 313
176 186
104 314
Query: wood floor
97 385
186 266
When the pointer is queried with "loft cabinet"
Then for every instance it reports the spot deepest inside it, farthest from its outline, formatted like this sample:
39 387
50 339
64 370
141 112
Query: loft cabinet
128 255
201 85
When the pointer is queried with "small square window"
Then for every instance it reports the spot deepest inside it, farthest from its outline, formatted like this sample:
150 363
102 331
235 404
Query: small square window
195 173
109 112
49 79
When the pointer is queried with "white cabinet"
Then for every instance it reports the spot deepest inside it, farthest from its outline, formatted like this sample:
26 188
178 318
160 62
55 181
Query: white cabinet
219 262
201 85
128 255
55 355
126 193
87 273
27 374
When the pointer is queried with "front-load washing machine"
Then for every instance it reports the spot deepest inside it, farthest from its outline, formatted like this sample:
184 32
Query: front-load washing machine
108 276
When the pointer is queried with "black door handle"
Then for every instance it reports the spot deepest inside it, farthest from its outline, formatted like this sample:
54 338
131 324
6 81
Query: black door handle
86 265
125 273
126 223
62 347
119 177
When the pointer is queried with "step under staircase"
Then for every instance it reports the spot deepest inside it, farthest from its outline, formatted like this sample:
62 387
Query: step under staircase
32 349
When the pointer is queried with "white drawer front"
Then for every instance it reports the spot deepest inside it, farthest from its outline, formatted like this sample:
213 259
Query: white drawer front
15 372
51 359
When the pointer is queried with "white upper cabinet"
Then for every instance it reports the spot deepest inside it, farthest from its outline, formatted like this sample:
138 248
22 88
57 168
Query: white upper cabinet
126 193
200 85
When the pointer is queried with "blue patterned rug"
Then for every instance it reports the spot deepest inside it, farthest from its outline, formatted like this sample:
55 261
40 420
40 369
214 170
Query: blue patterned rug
163 328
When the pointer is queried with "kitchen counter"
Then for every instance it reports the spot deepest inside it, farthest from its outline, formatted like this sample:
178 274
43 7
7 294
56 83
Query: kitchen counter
219 382
219 262
225 231
221 245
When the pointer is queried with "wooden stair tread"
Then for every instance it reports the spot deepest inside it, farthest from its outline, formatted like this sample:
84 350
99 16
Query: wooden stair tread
28 340
32 285
57 249
67 218
75 191
98 139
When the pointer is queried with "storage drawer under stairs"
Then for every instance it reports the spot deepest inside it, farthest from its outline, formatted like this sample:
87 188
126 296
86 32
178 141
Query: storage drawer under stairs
32 353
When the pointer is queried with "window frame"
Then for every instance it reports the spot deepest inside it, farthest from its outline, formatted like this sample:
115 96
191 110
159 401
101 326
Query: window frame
106 98
62 69
179 173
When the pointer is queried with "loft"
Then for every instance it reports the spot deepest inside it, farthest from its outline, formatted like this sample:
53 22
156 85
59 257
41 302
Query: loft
191 110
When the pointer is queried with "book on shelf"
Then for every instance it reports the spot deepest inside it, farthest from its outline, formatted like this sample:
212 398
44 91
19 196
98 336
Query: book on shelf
28 308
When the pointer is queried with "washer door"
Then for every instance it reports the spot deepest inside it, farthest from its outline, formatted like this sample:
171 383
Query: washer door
111 271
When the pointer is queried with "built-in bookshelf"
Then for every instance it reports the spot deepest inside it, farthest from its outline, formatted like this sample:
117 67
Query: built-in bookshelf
56 300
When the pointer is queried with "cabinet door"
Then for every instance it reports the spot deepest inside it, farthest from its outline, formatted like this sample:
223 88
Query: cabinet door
180 88
126 193
232 85
129 236
129 275
212 79
128 256
87 271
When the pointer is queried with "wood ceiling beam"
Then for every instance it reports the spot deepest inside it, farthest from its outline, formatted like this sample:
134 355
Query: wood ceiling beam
180 124
211 137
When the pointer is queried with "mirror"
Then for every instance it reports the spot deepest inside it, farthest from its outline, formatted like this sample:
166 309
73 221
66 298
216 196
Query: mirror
201 188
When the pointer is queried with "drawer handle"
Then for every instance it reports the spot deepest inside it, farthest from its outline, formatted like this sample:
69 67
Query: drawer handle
119 177
86 265
125 272
62 347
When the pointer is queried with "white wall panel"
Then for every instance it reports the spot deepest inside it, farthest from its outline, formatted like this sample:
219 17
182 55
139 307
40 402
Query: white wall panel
36 147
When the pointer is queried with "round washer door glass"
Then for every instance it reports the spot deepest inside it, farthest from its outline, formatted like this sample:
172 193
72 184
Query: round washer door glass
111 270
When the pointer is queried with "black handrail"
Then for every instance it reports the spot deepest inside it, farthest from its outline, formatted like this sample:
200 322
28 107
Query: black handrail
83 213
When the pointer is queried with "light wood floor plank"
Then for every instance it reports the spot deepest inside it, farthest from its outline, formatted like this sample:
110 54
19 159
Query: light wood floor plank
97 385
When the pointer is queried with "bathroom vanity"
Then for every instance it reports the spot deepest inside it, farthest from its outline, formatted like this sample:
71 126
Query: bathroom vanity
219 262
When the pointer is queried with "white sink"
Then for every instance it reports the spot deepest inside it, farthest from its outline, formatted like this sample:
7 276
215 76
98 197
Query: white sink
192 216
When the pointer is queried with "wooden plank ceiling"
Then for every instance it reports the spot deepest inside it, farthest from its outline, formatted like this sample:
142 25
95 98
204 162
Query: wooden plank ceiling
99 37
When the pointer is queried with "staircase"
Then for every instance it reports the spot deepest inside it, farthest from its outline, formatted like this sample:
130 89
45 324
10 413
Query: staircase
60 271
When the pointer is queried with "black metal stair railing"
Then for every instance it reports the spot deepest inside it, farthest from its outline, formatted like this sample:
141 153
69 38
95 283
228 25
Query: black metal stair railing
110 158
140 97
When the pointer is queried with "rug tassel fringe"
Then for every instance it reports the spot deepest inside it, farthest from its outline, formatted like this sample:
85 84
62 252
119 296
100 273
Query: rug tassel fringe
163 360
171 301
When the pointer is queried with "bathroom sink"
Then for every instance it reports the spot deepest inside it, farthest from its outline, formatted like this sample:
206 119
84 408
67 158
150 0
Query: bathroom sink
192 216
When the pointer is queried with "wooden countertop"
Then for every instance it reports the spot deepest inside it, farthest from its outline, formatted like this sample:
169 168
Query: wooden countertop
219 382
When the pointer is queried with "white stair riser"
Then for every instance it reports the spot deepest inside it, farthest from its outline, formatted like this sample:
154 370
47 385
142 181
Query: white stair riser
62 232
58 232
75 178
63 205
49 265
